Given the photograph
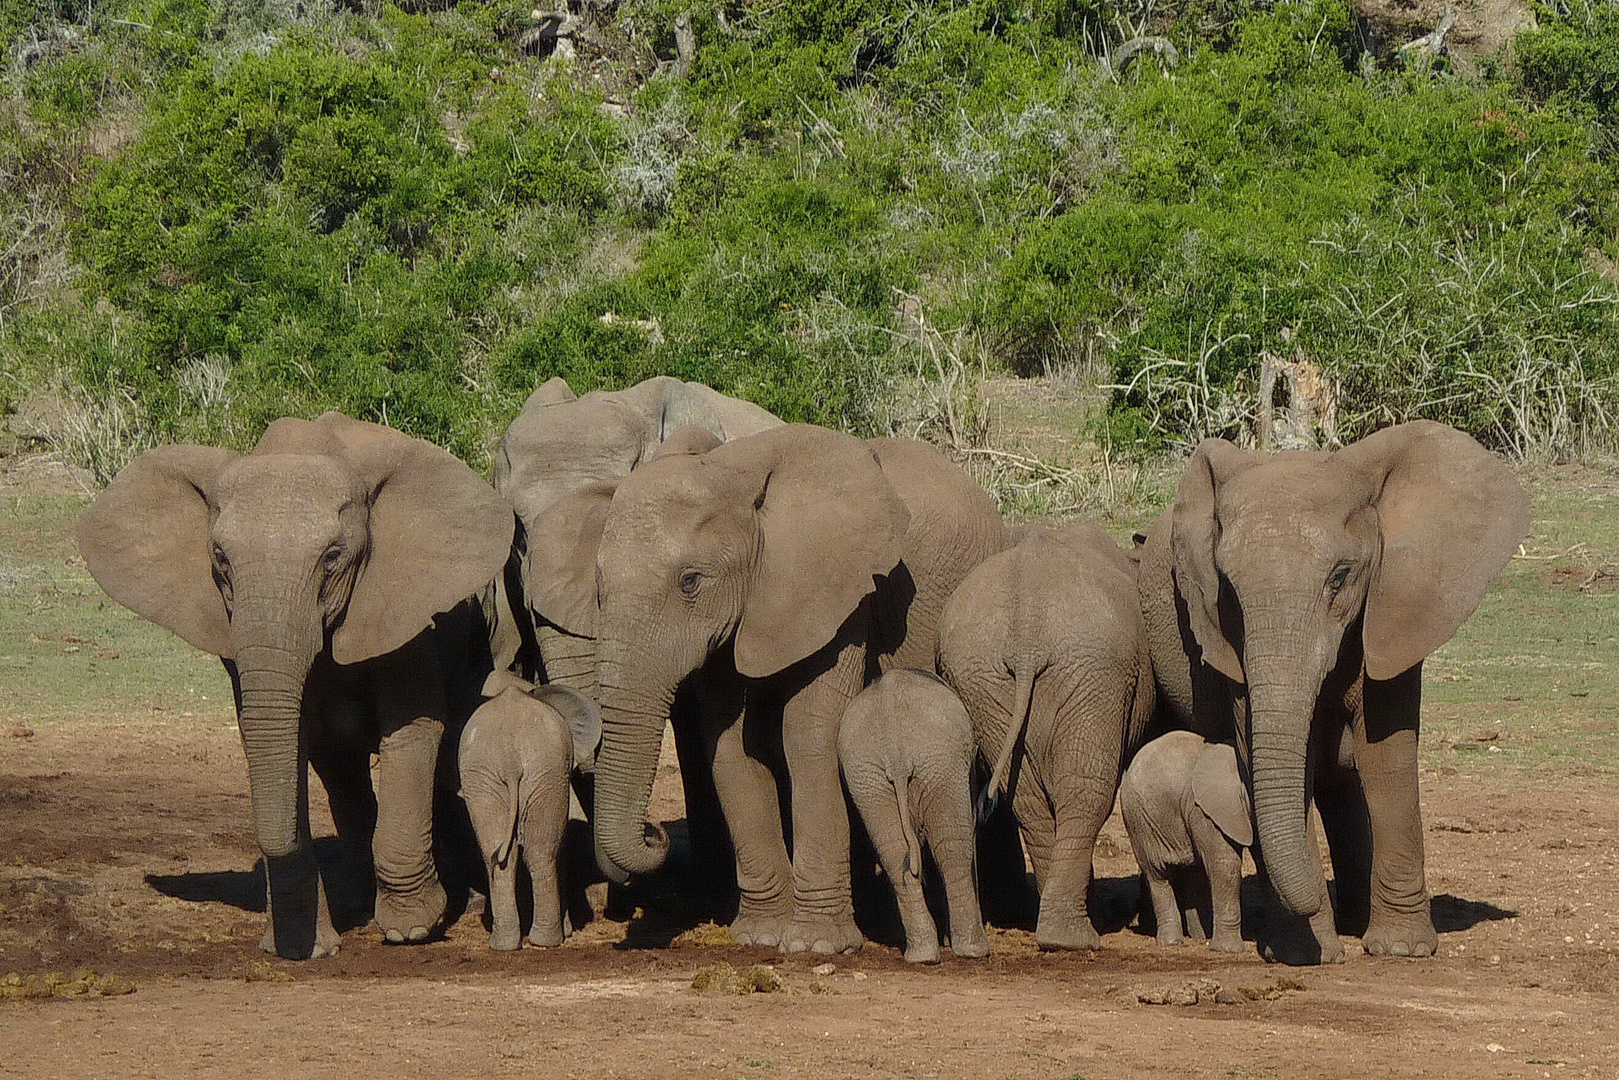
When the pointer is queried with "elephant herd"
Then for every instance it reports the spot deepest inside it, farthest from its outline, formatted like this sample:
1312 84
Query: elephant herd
823 620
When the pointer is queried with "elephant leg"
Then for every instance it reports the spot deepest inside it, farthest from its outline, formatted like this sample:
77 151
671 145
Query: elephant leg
950 836
1222 881
1036 824
410 901
747 792
543 824
879 810
1082 787
505 932
1345 820
1165 909
1400 922
713 866
823 910
346 776
292 882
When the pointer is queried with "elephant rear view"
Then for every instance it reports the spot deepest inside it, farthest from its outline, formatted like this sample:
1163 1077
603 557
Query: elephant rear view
318 568
517 756
1046 646
906 748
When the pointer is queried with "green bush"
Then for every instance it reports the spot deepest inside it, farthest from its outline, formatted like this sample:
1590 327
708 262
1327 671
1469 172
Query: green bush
406 218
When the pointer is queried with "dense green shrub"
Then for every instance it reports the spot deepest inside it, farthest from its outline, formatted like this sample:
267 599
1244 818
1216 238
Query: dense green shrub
1573 59
405 218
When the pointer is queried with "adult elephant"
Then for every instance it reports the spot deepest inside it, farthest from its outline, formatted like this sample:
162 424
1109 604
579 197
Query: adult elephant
561 443
318 567
1290 600
780 570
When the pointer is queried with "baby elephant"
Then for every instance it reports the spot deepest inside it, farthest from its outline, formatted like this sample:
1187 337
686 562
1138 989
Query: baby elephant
906 747
1185 806
518 753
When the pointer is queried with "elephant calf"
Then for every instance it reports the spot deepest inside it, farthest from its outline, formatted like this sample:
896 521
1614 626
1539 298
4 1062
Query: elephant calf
1186 807
906 748
518 753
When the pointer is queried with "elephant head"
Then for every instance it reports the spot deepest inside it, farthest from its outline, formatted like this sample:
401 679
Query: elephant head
1286 560
332 533
764 546
560 442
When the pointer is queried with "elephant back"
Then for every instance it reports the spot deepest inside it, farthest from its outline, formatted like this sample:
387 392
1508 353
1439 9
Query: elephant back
954 526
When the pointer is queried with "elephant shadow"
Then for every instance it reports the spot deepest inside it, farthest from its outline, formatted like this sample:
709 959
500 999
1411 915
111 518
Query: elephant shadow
1450 913
350 888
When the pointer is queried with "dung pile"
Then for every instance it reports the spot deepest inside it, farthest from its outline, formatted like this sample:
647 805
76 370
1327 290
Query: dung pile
725 979
1207 991
56 984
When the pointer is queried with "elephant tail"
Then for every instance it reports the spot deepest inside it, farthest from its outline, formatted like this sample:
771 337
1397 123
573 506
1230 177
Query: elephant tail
1000 776
508 847
913 844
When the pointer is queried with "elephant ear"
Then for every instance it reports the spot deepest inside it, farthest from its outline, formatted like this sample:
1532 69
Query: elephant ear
146 540
562 543
1451 515
1194 533
439 533
830 522
1219 792
583 717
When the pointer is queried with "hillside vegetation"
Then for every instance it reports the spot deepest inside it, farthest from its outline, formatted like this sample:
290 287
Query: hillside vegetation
216 212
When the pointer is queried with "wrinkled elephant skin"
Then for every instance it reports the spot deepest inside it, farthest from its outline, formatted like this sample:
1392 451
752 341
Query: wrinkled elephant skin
319 567
1290 601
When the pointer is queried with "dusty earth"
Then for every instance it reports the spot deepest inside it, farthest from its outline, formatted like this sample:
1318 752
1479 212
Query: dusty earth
127 850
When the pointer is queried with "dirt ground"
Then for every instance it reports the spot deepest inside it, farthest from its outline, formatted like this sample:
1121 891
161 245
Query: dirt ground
128 851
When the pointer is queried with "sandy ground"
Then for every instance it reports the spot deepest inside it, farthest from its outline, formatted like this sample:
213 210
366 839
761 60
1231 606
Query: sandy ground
127 849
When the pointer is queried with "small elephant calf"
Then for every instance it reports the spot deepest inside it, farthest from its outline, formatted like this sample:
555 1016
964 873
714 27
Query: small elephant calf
518 752
906 748
1185 806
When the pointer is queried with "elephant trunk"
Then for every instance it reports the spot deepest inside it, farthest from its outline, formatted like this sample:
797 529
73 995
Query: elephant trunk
632 738
1285 668
272 703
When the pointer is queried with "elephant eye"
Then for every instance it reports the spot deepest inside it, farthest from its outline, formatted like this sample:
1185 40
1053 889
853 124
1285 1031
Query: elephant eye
333 556
220 561
690 581
1338 578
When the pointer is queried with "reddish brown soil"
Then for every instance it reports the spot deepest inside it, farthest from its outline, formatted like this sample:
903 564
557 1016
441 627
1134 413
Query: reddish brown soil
105 832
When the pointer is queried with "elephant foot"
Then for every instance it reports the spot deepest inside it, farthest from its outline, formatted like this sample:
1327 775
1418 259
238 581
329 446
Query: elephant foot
1296 949
824 934
1401 935
1230 943
505 939
973 944
1065 927
411 918
760 926
1169 939
547 937
327 942
924 953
